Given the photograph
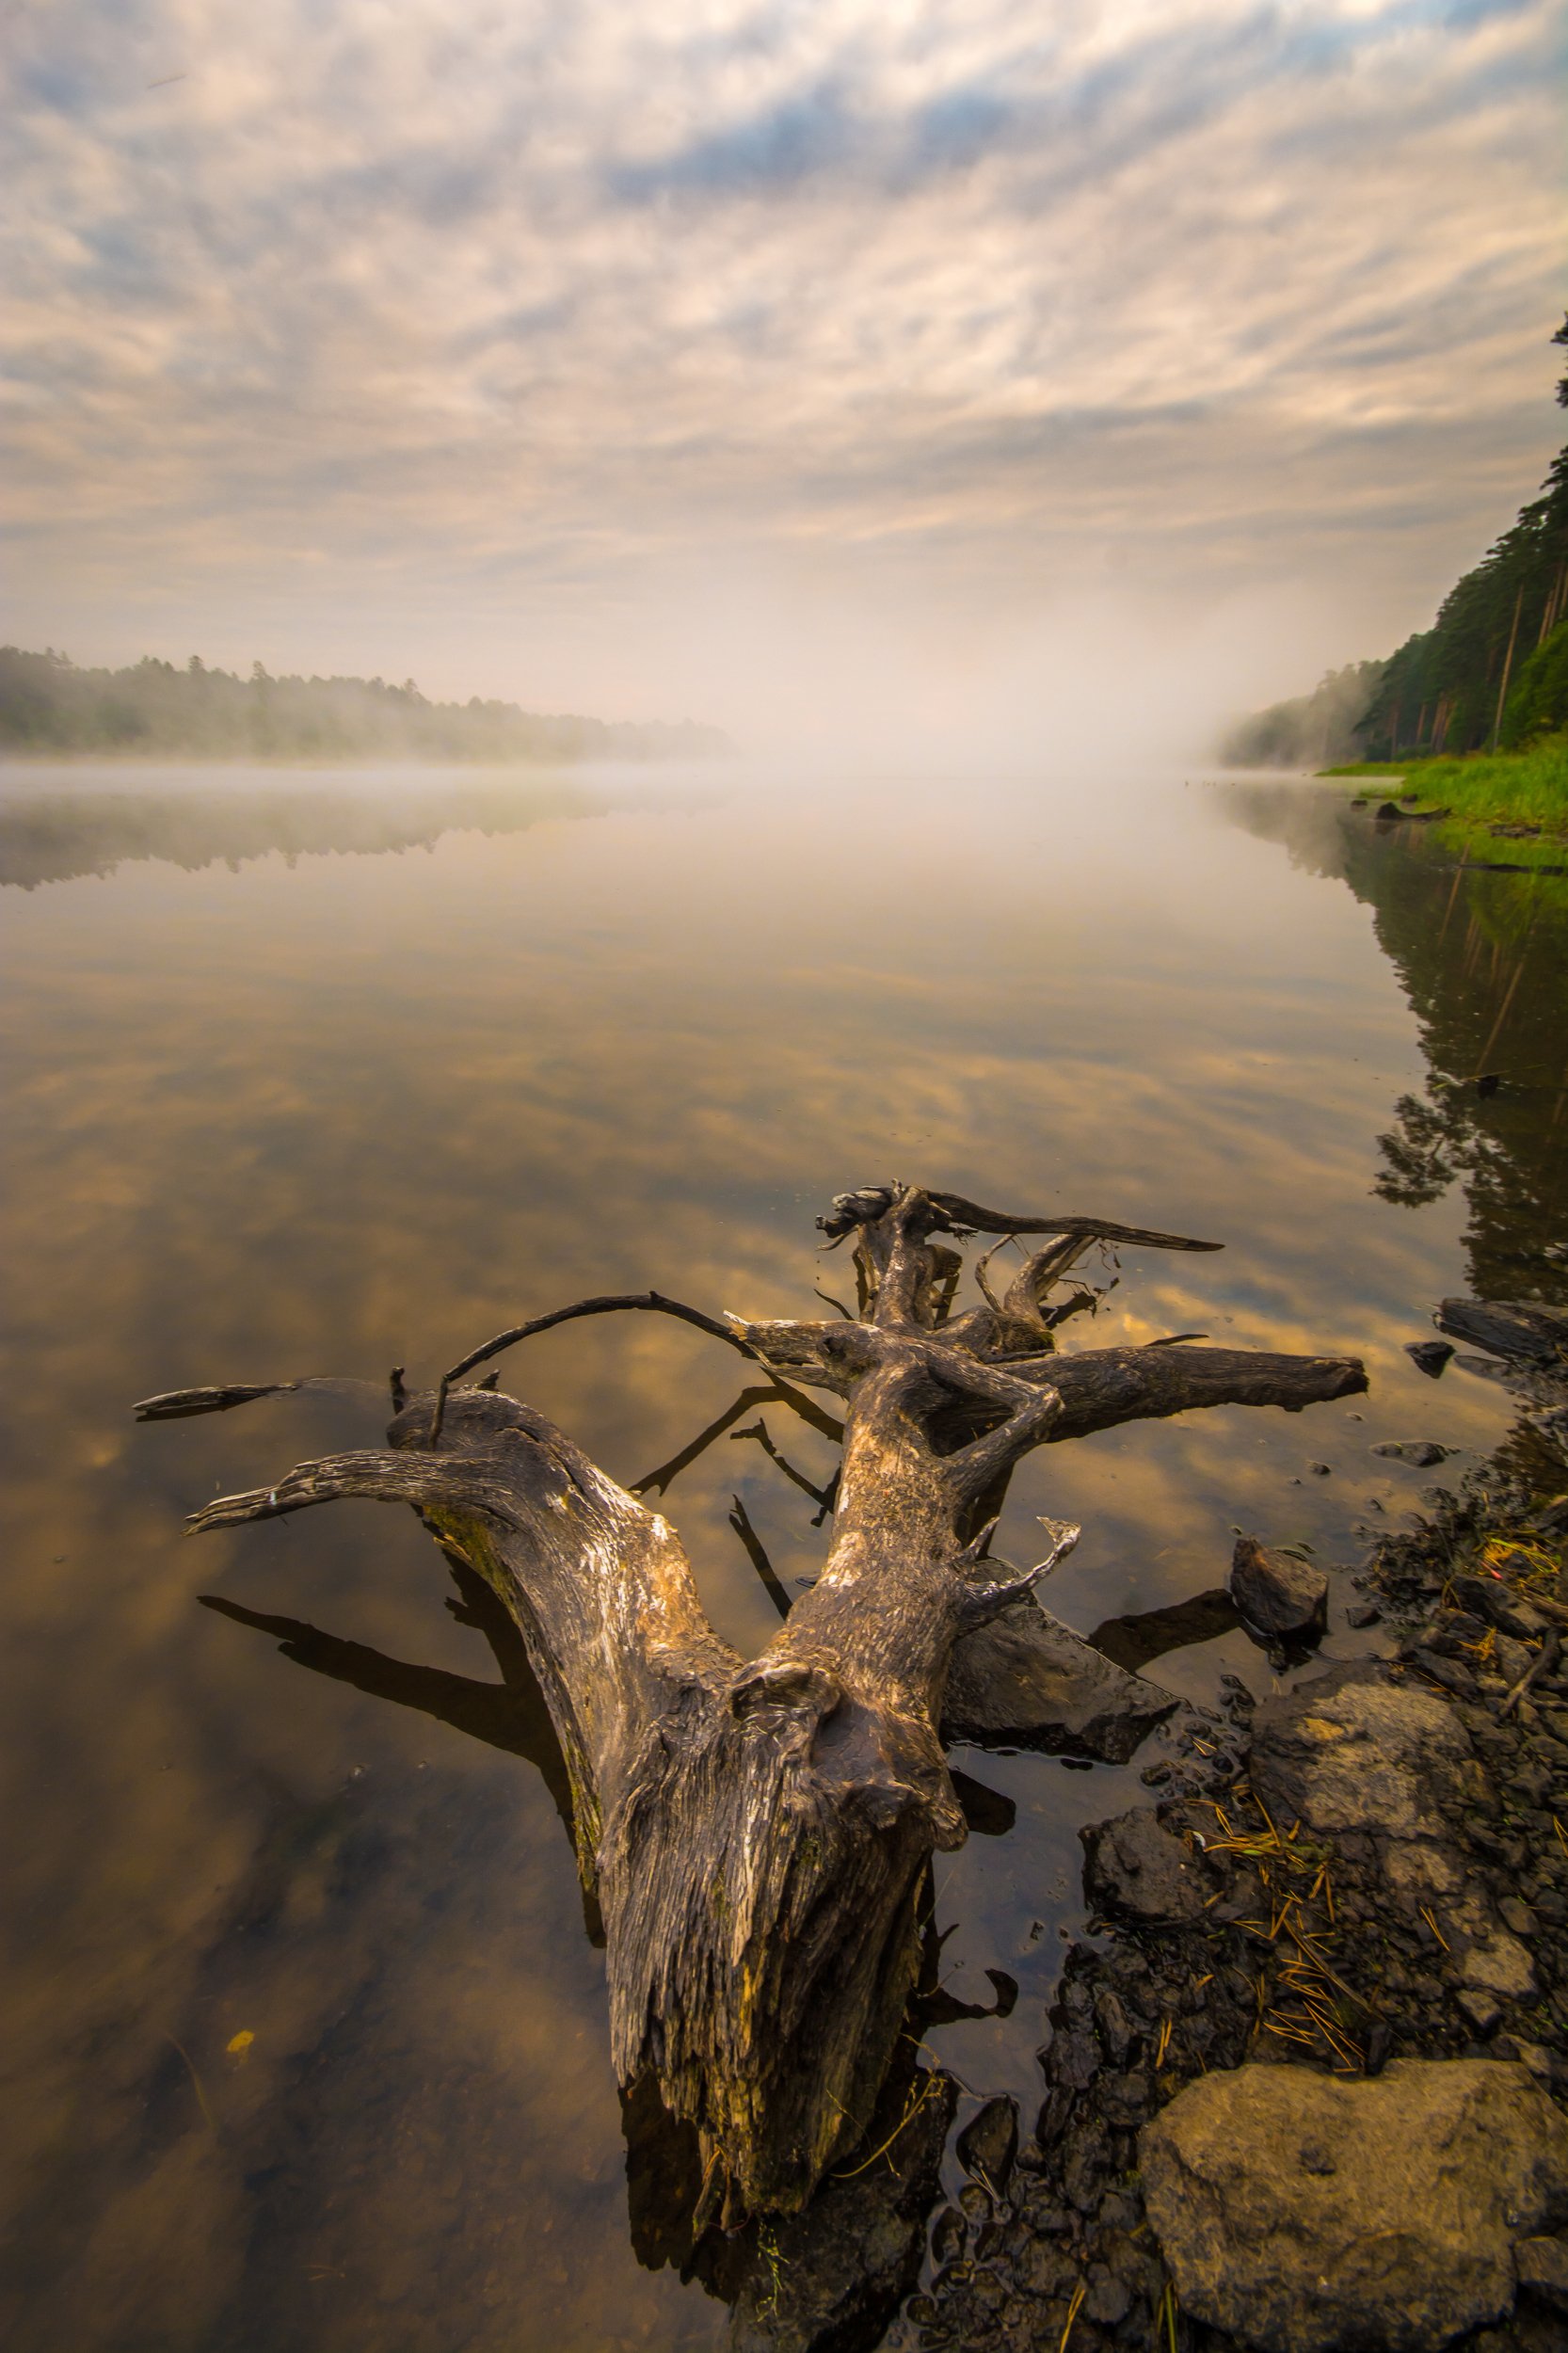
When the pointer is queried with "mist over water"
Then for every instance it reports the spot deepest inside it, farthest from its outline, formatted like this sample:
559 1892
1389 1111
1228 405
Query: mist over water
864 662
861 666
294 1096
954 421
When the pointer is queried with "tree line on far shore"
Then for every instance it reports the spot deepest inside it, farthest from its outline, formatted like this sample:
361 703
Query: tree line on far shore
49 706
1492 672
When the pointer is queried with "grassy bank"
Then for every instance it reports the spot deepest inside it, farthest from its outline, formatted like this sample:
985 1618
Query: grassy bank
1527 788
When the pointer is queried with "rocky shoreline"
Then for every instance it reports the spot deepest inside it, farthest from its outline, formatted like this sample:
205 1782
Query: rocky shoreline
1303 2089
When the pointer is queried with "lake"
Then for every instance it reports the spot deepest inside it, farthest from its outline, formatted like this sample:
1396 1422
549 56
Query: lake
305 2031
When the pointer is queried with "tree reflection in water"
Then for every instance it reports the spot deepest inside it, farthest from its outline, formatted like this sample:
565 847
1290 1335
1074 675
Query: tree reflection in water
72 830
1479 946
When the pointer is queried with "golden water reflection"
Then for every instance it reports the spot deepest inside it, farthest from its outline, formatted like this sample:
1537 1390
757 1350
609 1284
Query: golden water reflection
326 1113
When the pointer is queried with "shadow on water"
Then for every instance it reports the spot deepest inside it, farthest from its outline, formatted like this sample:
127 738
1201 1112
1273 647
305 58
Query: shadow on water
1480 949
1135 1642
510 1715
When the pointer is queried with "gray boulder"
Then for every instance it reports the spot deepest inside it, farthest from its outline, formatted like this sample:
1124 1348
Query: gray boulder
1028 1680
1356 1751
1277 1594
1310 2215
1136 1869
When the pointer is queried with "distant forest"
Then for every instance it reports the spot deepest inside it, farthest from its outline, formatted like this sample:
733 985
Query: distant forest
48 706
1493 668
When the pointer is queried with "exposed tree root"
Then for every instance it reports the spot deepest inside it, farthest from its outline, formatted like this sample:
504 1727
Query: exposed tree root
757 1833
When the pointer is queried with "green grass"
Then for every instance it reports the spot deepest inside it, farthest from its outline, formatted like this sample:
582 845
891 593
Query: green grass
1527 788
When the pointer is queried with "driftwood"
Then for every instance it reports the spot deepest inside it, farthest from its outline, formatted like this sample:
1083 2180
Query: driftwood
757 1833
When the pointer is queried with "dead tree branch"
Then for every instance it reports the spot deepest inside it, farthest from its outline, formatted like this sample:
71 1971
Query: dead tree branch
758 1831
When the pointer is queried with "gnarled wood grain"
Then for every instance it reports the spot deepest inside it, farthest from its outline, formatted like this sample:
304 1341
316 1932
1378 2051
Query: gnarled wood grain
757 1830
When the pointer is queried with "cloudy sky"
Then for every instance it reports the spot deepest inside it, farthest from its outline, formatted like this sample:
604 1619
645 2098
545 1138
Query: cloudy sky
747 358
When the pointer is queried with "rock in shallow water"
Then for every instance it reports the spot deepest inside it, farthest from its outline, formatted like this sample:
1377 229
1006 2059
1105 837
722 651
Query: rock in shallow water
1140 1871
1276 1593
1525 1330
1306 2215
990 2143
1029 1680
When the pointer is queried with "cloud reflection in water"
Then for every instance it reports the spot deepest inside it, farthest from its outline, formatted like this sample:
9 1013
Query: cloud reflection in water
367 1110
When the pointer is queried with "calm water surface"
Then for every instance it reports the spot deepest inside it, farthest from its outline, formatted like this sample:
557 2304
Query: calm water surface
305 2039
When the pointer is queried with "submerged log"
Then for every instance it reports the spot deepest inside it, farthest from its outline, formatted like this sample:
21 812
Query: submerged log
757 1833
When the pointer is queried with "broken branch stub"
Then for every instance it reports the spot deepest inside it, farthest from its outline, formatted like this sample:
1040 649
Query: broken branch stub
757 1832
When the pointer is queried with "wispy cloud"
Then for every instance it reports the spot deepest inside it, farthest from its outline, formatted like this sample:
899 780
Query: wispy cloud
434 326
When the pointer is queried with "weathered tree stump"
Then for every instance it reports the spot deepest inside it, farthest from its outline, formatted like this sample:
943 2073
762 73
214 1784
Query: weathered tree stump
755 1832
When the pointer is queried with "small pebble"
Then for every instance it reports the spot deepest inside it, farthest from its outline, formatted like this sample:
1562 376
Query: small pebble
1423 1452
